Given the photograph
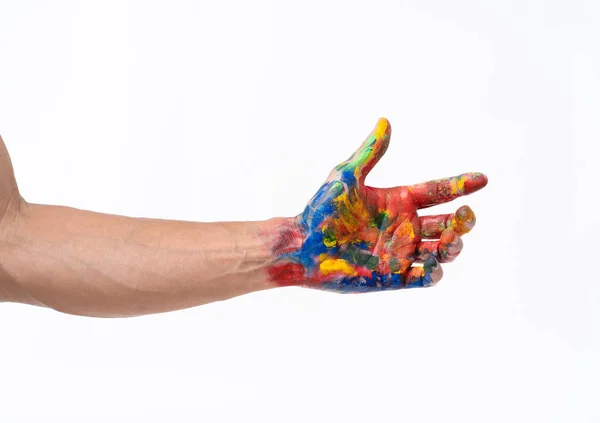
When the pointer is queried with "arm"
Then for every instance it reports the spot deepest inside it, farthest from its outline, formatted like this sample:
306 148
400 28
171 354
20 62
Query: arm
94 264
350 238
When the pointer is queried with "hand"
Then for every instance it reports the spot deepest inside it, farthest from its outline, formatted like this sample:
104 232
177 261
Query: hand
357 238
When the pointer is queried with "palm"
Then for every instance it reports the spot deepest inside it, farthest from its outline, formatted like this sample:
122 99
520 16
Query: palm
358 238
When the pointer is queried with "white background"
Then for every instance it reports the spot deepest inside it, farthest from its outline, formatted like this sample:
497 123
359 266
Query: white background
237 110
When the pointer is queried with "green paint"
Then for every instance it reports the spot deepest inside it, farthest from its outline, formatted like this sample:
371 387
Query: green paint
429 265
361 155
336 188
394 265
381 220
329 238
359 257
372 263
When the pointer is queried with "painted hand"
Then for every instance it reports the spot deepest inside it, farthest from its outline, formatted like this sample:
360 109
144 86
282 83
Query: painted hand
355 238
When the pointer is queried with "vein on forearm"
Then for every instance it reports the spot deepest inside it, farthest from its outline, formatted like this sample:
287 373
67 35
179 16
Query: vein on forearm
91 263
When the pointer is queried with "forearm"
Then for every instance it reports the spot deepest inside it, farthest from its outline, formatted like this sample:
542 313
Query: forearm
95 264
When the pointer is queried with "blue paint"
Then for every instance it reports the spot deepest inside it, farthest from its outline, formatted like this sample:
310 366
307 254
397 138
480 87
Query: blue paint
322 207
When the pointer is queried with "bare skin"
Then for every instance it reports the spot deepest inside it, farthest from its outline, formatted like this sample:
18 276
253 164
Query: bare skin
93 264
350 238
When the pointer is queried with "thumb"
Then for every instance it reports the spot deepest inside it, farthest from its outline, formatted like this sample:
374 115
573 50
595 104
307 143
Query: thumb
369 153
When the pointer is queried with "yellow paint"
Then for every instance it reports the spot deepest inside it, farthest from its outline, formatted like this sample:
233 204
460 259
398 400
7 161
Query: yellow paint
406 230
358 169
353 215
463 221
328 238
381 128
404 265
336 265
457 185
455 223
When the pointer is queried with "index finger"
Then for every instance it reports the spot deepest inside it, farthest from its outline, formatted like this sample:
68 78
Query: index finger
441 191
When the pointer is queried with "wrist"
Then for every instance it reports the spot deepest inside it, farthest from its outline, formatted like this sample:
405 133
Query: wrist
285 239
282 235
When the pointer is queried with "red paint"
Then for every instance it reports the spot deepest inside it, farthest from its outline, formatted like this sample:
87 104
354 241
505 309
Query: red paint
287 274
383 222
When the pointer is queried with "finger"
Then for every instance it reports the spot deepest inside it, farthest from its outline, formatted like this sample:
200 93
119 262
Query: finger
462 222
440 191
427 275
445 250
417 276
369 153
